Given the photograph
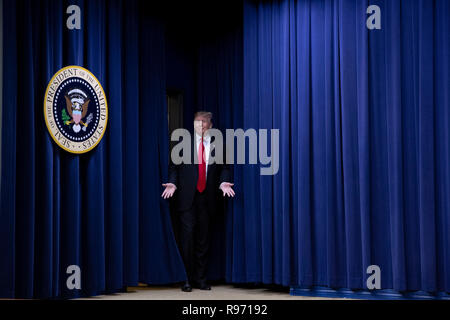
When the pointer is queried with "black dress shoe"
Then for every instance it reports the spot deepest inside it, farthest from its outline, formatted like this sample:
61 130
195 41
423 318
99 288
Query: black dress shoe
204 286
186 287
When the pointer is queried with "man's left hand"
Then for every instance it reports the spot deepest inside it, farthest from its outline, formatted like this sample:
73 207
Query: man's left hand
227 189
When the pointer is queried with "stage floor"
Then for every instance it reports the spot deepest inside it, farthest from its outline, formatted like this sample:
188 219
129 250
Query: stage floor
219 292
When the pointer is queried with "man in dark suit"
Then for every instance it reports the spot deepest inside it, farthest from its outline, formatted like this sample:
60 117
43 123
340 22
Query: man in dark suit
197 184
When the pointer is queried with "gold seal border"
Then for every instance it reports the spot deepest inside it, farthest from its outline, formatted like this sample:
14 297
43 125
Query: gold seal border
45 114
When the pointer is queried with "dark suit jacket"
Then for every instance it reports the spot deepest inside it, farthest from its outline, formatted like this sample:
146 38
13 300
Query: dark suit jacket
185 177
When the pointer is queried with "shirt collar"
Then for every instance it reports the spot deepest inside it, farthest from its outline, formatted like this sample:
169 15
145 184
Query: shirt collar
206 138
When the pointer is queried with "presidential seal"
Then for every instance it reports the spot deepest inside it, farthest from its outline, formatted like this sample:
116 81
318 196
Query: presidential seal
75 109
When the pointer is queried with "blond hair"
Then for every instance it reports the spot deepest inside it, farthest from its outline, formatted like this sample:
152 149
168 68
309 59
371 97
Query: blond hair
205 114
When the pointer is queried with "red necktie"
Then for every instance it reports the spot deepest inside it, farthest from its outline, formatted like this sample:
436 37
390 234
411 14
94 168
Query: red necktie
201 183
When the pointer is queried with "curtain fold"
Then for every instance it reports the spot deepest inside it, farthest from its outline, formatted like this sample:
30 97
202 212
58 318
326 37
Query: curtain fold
101 210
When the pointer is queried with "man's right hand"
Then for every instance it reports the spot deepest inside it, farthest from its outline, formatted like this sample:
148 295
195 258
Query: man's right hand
169 190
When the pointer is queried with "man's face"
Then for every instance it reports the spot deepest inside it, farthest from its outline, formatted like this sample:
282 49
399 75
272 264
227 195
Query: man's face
201 125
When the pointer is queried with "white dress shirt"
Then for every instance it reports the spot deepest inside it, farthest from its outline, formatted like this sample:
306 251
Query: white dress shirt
207 144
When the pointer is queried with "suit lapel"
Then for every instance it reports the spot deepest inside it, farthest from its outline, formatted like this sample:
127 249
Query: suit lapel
194 158
194 150
209 157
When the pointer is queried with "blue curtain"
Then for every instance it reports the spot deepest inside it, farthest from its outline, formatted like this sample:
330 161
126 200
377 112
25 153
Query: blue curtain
101 210
364 145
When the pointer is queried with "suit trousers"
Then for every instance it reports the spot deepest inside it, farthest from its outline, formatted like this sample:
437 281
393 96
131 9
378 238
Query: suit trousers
195 237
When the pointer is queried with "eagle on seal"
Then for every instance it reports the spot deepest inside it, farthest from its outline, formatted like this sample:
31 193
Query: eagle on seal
77 109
